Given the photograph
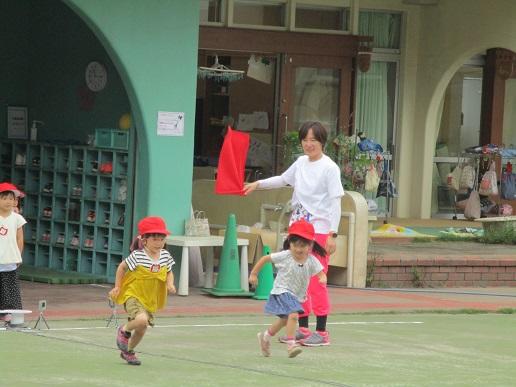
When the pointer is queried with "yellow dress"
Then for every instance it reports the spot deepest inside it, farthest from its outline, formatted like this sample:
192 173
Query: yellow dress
147 287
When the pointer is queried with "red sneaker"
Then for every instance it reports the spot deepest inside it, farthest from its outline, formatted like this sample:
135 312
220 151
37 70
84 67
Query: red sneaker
122 339
301 334
130 357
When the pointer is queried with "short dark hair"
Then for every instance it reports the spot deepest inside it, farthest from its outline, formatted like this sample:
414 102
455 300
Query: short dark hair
317 248
319 131
4 194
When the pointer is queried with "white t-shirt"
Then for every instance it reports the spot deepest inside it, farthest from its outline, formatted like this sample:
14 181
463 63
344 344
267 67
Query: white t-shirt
9 253
317 188
293 277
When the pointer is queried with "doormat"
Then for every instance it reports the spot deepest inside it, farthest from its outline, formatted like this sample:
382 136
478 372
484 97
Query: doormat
49 276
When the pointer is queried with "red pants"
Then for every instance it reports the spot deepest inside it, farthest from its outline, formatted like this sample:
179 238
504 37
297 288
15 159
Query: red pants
317 299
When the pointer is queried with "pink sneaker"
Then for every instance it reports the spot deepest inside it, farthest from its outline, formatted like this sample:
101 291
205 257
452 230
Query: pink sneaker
301 334
122 339
265 346
130 357
294 350
316 339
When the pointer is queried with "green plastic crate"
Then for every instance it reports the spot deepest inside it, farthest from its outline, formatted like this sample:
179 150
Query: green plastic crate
111 138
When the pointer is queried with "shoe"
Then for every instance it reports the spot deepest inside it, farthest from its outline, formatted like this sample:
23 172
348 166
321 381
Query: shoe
265 345
130 357
294 350
316 339
5 317
122 339
301 334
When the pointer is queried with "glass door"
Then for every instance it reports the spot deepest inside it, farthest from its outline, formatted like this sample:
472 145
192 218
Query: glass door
314 88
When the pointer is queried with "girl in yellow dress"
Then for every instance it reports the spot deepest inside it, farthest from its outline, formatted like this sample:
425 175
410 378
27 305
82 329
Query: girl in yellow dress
142 282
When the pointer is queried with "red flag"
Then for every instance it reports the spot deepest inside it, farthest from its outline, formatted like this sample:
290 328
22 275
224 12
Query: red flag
231 168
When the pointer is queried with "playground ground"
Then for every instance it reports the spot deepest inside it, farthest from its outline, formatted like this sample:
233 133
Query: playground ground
379 337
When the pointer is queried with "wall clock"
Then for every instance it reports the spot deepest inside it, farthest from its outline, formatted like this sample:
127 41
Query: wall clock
96 76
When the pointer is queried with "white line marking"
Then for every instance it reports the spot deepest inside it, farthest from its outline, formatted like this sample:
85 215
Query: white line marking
216 325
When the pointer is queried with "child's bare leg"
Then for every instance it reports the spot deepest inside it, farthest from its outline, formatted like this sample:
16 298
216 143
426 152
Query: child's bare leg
277 325
291 324
138 326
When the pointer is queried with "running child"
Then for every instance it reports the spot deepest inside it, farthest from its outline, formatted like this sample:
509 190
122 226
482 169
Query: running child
295 266
141 284
11 248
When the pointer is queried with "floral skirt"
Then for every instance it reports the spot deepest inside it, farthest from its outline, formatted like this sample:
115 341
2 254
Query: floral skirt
283 304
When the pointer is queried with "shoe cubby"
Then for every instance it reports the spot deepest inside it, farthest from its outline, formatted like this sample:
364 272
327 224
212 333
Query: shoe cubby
43 256
76 205
71 259
57 258
86 260
29 254
101 261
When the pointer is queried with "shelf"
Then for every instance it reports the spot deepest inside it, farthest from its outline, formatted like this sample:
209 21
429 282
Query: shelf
74 185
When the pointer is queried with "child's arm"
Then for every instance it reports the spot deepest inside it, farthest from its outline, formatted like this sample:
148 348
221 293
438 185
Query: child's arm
322 277
120 272
253 277
170 283
19 240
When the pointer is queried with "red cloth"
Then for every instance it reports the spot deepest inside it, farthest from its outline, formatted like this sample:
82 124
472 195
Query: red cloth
231 168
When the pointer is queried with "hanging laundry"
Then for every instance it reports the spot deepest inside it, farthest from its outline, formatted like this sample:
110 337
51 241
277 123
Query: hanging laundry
231 167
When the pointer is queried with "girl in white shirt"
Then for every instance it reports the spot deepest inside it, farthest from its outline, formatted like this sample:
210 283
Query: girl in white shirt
317 195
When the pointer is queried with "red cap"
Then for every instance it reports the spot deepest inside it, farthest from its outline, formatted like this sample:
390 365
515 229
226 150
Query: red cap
11 187
303 229
152 225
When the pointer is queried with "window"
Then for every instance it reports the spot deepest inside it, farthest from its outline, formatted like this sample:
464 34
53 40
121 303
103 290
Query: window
322 17
383 27
211 11
259 13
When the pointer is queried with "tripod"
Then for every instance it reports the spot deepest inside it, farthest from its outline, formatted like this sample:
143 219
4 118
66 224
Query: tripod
41 318
114 316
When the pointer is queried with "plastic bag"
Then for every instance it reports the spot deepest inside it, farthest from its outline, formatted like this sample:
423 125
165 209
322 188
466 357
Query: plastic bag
472 210
198 225
488 184
467 177
508 186
453 178
371 179
386 187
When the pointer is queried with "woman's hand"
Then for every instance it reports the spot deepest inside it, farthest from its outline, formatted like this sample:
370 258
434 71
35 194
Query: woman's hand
253 279
250 187
331 245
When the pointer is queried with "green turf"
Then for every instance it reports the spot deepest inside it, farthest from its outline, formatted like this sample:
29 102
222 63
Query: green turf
49 276
444 350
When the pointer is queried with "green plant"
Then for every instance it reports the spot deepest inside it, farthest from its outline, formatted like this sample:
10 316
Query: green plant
292 148
503 235
371 267
417 277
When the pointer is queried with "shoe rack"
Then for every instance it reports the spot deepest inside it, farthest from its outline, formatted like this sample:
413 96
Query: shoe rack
76 204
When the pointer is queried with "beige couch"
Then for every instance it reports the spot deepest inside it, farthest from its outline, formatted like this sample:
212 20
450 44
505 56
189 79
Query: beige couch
353 230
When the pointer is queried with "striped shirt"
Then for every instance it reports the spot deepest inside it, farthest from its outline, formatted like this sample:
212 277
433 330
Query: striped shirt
140 258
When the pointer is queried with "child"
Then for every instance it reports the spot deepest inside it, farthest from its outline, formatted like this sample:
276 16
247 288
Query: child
295 266
11 248
141 284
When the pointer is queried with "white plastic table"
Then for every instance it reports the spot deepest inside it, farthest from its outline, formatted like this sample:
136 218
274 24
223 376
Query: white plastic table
212 241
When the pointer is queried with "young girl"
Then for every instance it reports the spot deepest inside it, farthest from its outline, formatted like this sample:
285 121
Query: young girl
295 266
11 248
317 199
141 284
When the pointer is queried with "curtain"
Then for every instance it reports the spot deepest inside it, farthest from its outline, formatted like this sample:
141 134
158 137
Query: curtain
372 103
383 27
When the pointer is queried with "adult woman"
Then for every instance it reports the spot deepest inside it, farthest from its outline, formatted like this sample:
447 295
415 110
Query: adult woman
316 198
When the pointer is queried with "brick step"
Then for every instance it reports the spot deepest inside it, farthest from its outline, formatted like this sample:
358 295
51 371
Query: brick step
441 272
